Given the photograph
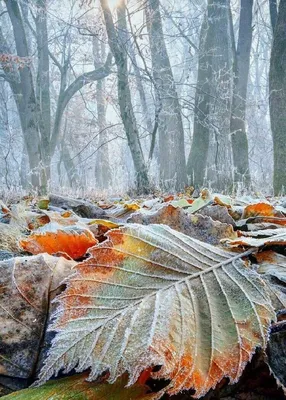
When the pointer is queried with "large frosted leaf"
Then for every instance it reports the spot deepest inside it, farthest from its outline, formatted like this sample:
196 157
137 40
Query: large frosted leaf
152 296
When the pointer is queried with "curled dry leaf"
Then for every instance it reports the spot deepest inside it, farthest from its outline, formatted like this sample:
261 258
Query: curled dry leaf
197 226
262 220
271 263
25 285
120 212
64 218
272 267
254 242
53 238
152 296
83 208
218 213
35 221
99 227
204 200
77 388
263 232
260 209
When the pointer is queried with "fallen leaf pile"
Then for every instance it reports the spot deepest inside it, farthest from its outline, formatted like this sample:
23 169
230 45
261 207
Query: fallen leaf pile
170 289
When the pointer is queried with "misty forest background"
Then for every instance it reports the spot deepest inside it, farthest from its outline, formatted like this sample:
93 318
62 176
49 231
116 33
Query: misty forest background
109 96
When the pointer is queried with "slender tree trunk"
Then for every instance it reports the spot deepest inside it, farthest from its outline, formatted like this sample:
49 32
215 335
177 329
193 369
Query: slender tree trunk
171 132
219 172
24 169
43 92
197 161
27 105
140 88
103 172
69 165
273 13
241 72
102 165
117 46
277 100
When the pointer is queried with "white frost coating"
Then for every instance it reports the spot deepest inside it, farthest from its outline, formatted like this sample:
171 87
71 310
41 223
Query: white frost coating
186 322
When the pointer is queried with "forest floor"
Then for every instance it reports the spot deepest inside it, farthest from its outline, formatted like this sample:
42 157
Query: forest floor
217 263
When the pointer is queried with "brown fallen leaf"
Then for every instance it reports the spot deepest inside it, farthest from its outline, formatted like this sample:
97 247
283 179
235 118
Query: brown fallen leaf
64 218
254 242
218 213
197 226
262 220
53 238
99 227
263 232
25 287
82 208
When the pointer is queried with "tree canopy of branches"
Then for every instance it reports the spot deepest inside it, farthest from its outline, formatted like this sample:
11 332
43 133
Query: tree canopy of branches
192 105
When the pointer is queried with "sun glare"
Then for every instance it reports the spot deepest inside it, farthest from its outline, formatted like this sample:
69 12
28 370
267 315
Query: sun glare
113 3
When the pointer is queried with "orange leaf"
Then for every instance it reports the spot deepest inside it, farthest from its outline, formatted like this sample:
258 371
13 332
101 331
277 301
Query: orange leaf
53 238
259 209
169 198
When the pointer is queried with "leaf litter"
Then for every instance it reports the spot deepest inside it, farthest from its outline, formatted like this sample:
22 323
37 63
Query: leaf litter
171 285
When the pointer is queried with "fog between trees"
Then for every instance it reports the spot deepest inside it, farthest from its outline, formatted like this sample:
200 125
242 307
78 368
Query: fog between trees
113 95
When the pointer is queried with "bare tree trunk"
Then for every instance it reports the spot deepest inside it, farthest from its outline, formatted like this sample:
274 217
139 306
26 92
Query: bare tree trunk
24 169
277 100
219 172
43 92
140 88
273 13
69 165
26 104
197 161
171 132
103 172
117 46
102 166
241 71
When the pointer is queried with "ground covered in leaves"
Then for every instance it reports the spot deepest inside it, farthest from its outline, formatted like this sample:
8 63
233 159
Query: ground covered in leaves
161 297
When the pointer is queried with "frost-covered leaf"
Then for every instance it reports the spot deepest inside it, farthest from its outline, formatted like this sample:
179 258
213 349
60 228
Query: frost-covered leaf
52 238
151 296
273 264
182 203
197 226
82 208
99 227
254 242
9 237
218 213
263 232
77 388
120 212
262 220
259 209
272 267
25 287
204 200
